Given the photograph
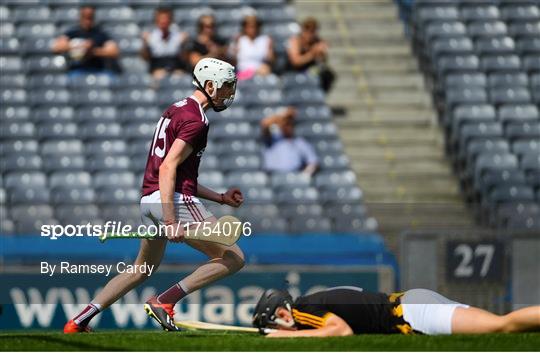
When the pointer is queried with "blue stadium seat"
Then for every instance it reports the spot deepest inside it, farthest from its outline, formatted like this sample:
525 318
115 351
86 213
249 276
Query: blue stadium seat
31 14
293 211
9 112
518 113
309 224
57 131
53 114
529 46
479 29
138 130
294 194
13 130
109 147
109 163
61 147
490 146
520 13
343 178
25 179
465 96
28 196
446 46
77 214
17 146
72 196
249 179
102 113
31 212
526 147
496 45
290 180
47 80
457 64
213 180
10 64
480 12
113 195
9 46
510 95
508 79
67 162
258 194
13 81
524 29
243 162
21 162
70 179
523 130
503 63
341 193
489 162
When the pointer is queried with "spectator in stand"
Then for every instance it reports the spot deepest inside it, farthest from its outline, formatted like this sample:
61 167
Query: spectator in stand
285 152
162 46
89 49
207 43
253 51
307 51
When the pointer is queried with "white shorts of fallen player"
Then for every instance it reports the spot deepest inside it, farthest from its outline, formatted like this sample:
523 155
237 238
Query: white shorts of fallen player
188 209
429 312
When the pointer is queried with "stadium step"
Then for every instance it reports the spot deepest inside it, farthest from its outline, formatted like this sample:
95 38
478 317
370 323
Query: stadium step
389 128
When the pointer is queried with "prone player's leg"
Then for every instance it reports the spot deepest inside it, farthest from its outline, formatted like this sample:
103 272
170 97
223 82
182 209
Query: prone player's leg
475 320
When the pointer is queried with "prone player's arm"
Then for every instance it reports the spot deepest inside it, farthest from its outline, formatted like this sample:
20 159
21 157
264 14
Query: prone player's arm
334 326
178 153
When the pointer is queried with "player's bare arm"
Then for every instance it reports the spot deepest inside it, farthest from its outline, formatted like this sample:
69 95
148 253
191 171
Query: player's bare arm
179 151
232 197
333 326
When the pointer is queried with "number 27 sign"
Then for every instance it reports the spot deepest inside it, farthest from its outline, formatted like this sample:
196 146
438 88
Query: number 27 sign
482 260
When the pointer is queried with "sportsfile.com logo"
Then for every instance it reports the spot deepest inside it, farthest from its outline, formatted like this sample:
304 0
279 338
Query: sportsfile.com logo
222 231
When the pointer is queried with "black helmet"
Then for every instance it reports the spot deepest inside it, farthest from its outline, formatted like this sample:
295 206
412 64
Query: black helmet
265 310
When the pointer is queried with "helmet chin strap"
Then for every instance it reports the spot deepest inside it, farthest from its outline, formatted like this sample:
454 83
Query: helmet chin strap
209 98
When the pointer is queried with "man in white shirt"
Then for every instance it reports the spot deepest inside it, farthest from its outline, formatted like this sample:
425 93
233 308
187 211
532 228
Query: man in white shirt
284 152
162 46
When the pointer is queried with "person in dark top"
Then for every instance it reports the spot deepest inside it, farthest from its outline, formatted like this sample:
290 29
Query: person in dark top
162 46
307 51
207 43
89 49
348 310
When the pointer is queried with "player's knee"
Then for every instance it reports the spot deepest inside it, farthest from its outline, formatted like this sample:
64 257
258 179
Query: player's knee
505 324
235 260
500 324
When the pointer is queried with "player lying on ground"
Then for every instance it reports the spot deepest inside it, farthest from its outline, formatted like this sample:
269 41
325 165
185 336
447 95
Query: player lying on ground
170 192
344 311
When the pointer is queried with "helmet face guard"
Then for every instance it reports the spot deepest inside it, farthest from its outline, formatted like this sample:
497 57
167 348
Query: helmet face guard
227 100
264 314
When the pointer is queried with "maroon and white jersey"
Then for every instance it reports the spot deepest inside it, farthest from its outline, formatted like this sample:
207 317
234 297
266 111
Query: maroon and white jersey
183 120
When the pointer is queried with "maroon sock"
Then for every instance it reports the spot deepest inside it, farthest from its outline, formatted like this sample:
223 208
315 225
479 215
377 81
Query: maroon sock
87 314
172 295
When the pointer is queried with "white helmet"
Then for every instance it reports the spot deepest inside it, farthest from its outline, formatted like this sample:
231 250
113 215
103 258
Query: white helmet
219 72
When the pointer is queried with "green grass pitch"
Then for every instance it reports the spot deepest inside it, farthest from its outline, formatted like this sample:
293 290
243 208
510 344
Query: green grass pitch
204 341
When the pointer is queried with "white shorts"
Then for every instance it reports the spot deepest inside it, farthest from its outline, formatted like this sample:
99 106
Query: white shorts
188 209
429 312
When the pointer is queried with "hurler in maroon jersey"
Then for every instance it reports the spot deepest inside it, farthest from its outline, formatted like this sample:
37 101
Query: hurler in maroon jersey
171 197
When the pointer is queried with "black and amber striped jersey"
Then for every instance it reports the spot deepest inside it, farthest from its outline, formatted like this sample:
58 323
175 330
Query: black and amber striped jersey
364 312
